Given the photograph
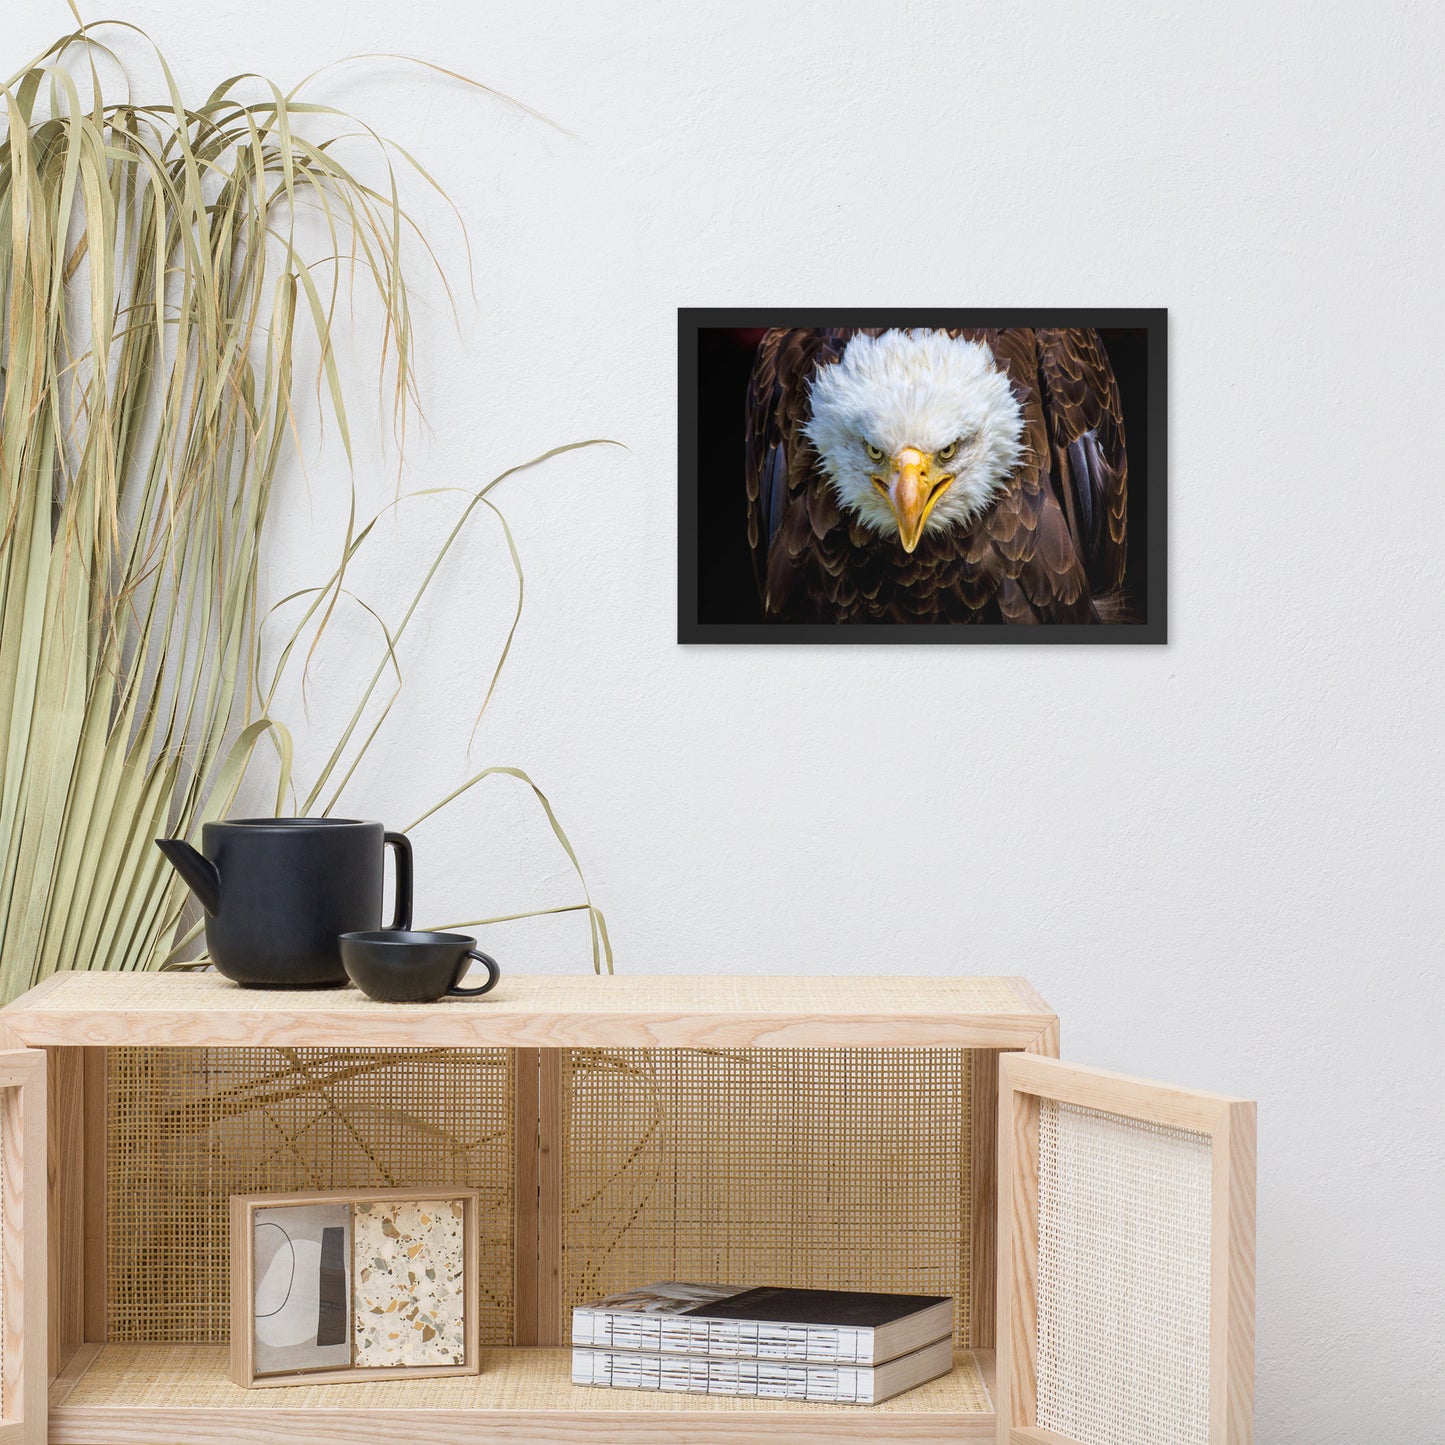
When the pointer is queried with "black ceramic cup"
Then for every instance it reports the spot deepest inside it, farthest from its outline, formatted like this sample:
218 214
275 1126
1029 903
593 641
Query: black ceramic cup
394 965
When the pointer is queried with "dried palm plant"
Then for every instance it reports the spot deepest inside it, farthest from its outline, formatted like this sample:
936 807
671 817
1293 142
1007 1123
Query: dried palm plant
156 293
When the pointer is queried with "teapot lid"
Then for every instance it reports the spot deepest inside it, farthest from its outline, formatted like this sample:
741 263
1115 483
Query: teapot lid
289 823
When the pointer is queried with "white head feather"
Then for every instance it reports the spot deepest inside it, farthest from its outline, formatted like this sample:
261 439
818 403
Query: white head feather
922 389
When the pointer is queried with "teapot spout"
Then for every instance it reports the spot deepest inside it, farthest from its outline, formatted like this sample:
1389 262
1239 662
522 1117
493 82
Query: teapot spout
199 873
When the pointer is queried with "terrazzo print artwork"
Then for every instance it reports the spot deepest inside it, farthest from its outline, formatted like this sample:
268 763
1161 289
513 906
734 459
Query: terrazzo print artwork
409 1289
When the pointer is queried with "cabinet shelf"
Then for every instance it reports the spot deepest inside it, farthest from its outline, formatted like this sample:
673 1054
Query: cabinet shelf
181 1395
538 1012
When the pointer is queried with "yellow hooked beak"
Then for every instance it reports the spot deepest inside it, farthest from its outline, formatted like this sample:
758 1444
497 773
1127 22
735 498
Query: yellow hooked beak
912 489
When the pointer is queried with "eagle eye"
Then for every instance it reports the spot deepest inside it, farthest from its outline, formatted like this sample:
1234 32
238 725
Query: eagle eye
875 454
947 454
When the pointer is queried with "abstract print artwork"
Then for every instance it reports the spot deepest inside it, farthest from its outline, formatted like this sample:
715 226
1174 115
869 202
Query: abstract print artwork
303 1269
328 1286
921 476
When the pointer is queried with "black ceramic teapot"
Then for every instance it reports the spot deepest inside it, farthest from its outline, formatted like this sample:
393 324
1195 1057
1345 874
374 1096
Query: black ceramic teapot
279 891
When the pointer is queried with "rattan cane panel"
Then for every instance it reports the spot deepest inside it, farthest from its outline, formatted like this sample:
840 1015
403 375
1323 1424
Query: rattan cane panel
136 1377
187 1128
1123 1279
826 1168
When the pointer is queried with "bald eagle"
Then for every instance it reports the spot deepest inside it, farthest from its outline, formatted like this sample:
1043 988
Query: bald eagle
936 476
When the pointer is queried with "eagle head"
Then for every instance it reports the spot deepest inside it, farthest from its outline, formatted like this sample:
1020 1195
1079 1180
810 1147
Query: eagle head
917 431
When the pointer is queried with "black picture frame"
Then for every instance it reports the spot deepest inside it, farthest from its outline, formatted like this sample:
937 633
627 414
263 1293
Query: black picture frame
700 417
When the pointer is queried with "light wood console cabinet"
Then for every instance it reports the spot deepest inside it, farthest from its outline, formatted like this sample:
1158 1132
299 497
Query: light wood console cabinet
841 1132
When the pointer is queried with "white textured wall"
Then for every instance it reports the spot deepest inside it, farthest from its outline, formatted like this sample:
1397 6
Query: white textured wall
1220 861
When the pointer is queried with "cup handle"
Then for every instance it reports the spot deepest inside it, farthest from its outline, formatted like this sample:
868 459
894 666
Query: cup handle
494 972
402 845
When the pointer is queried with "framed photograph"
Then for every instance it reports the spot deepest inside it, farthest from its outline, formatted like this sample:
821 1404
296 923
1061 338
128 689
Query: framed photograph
357 1285
922 475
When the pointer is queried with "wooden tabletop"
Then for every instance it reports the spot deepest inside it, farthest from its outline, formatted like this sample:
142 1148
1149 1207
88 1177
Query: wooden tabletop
538 1011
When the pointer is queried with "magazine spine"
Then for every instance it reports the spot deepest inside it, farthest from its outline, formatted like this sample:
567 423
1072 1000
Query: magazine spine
724 1339
700 1375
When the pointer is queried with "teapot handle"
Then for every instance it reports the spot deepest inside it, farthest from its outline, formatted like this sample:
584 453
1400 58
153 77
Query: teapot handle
402 844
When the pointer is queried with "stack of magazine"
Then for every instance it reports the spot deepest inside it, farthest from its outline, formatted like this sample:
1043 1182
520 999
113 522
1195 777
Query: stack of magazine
833 1346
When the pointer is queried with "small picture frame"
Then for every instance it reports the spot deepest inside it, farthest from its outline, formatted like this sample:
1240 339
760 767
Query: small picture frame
354 1285
937 475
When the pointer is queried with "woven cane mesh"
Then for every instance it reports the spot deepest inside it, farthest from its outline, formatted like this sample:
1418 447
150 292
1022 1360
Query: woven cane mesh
824 1168
1123 1279
187 1128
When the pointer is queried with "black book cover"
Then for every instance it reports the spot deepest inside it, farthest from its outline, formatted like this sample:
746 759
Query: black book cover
817 1307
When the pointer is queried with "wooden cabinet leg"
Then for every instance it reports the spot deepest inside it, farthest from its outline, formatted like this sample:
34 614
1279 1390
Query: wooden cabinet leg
94 1070
65 1087
525 1107
537 1180
551 1328
983 1164
75 1084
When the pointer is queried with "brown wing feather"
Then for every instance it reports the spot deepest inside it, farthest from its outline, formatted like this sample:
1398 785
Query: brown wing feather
1023 543
1086 439
790 511
763 450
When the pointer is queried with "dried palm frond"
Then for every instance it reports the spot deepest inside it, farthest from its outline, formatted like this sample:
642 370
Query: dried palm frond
156 293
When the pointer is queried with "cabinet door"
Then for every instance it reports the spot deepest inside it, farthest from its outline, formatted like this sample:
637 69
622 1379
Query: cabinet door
23 1260
1126 1260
